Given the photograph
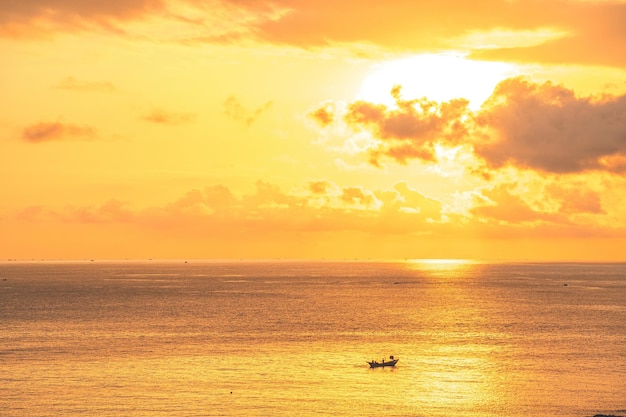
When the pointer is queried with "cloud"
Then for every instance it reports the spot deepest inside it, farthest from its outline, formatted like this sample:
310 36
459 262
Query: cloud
504 206
589 32
548 128
552 208
324 116
594 35
215 212
213 200
168 118
592 31
236 111
57 131
410 130
185 21
406 203
358 197
32 17
73 84
576 198
540 127
324 219
399 24
112 211
319 187
321 207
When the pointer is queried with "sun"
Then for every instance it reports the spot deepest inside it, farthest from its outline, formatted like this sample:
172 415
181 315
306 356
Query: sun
439 77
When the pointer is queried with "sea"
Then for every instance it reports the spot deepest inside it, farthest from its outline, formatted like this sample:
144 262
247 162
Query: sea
292 338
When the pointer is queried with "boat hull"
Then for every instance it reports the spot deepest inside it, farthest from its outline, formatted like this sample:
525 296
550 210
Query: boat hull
383 364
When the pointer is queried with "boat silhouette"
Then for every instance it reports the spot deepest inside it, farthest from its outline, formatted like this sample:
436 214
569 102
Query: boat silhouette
391 362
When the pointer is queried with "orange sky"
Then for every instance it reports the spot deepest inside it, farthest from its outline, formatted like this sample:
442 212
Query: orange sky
321 129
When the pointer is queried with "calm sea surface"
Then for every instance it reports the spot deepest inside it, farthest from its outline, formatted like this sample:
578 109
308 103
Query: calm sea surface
292 339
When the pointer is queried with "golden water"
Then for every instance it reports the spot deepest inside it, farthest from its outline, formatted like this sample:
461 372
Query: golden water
292 339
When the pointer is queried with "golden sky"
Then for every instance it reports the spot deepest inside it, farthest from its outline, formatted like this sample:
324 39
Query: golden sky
489 129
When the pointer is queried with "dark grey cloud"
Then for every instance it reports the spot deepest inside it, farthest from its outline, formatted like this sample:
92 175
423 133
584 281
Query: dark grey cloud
548 128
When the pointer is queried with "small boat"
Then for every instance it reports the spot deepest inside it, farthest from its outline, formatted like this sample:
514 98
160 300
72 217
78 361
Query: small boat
391 362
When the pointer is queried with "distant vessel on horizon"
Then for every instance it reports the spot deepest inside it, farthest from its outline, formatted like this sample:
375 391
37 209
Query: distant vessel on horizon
391 362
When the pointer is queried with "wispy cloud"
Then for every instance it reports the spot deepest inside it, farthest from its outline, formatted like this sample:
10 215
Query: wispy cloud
188 21
593 35
562 31
589 31
57 131
236 111
40 17
73 84
164 117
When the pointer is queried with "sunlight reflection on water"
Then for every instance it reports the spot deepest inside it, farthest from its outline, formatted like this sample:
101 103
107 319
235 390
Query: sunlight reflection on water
443 268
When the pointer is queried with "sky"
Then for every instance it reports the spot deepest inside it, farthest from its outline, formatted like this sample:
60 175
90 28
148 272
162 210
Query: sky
234 129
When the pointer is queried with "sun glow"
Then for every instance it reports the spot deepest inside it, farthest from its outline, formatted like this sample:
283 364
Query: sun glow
439 77
442 268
